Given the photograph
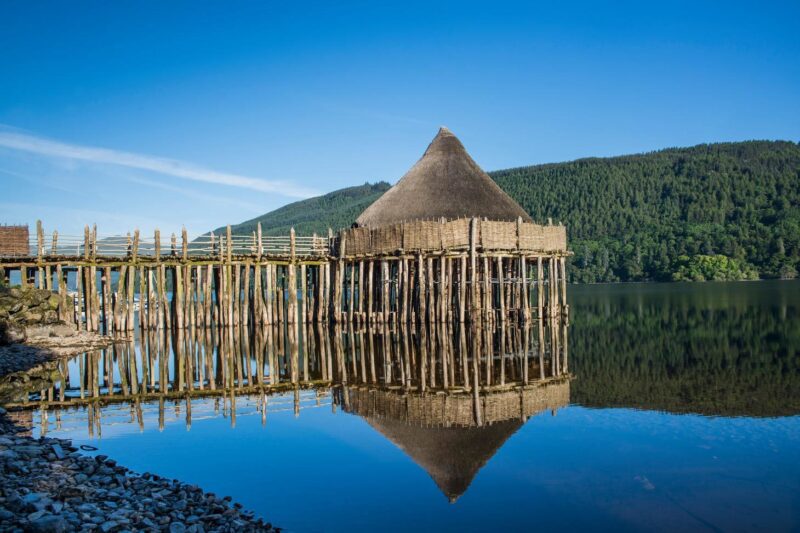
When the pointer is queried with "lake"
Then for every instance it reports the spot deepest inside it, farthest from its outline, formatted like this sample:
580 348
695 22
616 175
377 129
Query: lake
659 407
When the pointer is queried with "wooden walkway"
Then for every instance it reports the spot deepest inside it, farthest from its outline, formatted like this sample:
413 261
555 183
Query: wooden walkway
455 271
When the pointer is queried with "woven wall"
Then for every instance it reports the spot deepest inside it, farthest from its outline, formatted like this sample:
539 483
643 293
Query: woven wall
435 236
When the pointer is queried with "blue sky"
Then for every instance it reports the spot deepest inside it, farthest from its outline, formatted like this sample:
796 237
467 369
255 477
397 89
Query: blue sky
137 114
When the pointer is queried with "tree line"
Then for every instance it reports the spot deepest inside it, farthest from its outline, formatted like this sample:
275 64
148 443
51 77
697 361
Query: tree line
713 211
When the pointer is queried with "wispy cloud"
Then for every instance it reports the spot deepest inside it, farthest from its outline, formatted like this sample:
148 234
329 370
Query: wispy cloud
198 195
169 167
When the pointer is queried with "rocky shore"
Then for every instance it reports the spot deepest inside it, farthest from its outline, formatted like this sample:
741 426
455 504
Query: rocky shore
46 484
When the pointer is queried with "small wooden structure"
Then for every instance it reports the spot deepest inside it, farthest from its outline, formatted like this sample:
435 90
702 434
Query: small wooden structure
445 244
14 241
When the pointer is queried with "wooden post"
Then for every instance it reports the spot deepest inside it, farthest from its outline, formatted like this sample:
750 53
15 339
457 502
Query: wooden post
371 291
337 293
526 310
351 308
563 262
462 289
292 279
304 312
473 267
95 297
129 325
86 249
135 249
39 241
143 283
488 303
501 289
118 298
178 296
63 313
405 315
539 288
235 293
431 305
207 304
361 290
54 244
79 296
105 282
229 242
385 291
163 303
421 286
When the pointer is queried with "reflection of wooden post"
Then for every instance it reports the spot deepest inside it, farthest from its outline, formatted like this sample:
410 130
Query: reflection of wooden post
476 399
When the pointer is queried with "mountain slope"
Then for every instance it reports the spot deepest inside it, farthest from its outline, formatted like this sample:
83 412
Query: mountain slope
645 216
712 211
337 209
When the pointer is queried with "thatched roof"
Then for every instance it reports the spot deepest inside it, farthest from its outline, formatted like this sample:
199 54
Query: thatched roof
447 183
451 456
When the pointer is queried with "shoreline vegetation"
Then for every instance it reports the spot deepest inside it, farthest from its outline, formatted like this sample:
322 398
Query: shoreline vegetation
725 211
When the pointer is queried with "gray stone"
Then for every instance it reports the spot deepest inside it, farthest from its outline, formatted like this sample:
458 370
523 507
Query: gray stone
105 527
177 527
49 523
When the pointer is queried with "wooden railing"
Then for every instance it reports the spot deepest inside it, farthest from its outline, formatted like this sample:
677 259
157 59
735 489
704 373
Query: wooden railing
91 246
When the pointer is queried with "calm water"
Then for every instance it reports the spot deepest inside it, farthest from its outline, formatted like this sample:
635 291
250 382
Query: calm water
659 407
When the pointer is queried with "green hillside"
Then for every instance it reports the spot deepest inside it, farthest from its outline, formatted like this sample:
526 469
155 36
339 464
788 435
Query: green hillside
336 210
715 211
675 213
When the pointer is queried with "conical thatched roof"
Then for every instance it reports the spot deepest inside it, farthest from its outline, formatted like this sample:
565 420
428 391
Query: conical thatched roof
451 456
447 183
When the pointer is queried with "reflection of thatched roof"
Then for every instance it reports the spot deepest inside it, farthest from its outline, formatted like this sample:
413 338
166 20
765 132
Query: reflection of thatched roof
439 432
447 183
451 456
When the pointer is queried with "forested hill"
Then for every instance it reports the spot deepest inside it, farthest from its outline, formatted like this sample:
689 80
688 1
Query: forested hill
337 209
717 211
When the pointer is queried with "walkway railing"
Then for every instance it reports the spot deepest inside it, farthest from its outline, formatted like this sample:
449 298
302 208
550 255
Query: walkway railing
91 246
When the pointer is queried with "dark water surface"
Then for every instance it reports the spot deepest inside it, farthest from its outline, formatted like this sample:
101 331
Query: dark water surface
666 407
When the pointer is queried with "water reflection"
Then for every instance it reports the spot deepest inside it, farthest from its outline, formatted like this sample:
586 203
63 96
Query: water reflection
448 398
714 349
381 410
